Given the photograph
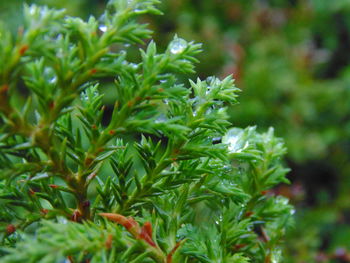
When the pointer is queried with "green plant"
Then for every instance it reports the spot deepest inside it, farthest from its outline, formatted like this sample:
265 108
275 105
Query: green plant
162 165
290 59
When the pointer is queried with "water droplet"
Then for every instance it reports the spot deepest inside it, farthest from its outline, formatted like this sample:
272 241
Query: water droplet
62 220
134 66
208 90
59 37
40 176
177 46
84 96
161 119
227 169
53 80
60 53
209 110
210 79
236 140
42 11
216 140
276 256
103 17
130 2
281 200
32 9
103 28
292 211
233 142
37 116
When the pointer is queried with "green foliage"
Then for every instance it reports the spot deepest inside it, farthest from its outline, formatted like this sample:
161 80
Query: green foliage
163 165
290 59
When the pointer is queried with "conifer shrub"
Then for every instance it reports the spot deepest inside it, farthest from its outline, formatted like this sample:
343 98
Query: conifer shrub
163 178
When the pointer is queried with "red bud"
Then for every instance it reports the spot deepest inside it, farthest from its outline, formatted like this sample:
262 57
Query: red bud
146 234
23 49
109 241
76 216
239 246
52 105
44 211
249 213
4 88
130 103
128 223
10 229
93 71
88 161
169 258
148 228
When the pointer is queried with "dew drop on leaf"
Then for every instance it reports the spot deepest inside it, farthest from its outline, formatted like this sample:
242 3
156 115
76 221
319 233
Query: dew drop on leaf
103 28
32 10
134 66
216 140
235 141
53 80
161 119
84 97
276 256
177 46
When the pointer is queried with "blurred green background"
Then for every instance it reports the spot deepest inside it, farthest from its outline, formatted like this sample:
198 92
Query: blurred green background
291 60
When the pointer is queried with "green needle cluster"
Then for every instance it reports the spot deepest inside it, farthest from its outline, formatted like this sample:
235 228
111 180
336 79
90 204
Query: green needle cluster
163 178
